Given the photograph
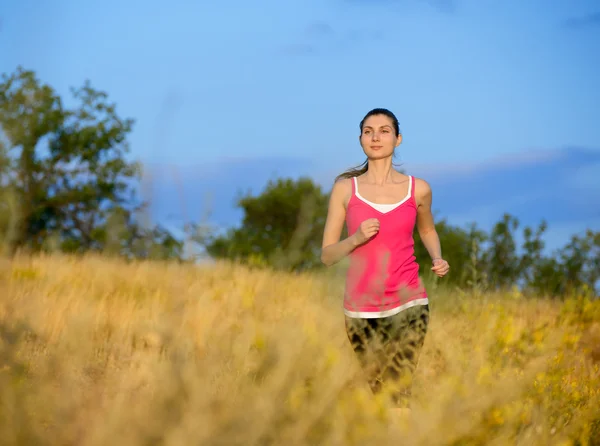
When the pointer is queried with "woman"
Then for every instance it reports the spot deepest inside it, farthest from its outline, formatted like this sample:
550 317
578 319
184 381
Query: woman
385 304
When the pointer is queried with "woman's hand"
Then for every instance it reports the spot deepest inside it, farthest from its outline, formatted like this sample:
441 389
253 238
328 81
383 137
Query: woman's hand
440 267
366 230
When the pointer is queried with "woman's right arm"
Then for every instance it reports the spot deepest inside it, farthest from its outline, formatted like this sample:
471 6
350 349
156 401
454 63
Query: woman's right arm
333 250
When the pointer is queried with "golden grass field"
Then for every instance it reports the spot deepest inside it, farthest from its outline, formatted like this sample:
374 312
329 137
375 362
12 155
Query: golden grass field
101 352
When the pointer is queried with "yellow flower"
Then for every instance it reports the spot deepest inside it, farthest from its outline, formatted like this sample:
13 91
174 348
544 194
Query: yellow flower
497 418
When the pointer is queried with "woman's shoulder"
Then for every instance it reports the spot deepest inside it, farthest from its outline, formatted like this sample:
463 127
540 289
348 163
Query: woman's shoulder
342 188
343 183
422 187
342 191
420 182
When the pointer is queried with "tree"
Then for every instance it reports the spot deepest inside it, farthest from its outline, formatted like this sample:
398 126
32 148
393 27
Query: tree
282 227
532 264
580 261
458 246
66 169
502 259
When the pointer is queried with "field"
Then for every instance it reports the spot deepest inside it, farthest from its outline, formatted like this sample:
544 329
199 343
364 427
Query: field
96 351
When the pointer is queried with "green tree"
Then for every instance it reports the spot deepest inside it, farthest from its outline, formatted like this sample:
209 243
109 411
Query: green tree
547 278
532 263
580 260
570 269
501 257
66 169
282 227
458 245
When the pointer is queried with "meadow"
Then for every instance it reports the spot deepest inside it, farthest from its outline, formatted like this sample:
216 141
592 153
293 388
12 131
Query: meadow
98 351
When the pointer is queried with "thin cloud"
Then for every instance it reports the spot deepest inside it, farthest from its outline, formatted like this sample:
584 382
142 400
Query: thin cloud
508 161
444 6
298 49
361 35
312 38
209 190
587 21
321 36
319 30
532 187
556 185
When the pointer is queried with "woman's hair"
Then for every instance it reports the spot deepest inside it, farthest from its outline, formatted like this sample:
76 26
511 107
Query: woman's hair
359 170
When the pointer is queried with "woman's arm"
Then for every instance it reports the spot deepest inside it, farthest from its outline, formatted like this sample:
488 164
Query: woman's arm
426 227
334 250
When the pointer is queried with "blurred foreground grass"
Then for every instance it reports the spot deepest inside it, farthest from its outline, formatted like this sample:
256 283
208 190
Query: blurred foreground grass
96 351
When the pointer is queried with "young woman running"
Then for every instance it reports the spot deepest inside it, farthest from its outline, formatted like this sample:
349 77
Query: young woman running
385 304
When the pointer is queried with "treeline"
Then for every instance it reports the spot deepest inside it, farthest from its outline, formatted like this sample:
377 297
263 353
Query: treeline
283 228
66 184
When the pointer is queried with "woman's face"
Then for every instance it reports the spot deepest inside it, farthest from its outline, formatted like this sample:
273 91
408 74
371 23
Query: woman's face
378 138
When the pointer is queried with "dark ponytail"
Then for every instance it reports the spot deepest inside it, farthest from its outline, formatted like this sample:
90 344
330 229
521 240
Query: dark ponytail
354 172
364 167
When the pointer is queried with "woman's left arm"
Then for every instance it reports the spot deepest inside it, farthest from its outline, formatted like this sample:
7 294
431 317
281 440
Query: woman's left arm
426 227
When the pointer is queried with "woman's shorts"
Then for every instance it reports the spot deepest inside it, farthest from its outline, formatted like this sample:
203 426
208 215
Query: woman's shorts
389 348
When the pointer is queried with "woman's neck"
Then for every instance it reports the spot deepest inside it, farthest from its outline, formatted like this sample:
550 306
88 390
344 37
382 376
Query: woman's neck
379 171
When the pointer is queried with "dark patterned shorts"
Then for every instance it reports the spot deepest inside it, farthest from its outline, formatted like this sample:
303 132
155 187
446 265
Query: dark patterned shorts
389 348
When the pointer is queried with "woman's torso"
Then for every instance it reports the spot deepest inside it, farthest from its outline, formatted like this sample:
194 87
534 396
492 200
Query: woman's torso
383 277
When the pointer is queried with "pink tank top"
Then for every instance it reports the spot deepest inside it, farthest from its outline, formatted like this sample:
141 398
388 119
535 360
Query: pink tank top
383 277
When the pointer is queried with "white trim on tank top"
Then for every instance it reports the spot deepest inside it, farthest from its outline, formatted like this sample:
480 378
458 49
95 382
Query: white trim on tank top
387 313
383 208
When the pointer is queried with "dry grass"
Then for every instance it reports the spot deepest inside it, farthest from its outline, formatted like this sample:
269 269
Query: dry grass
97 352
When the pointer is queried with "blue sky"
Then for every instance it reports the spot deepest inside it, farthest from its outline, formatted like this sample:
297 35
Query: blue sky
495 98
